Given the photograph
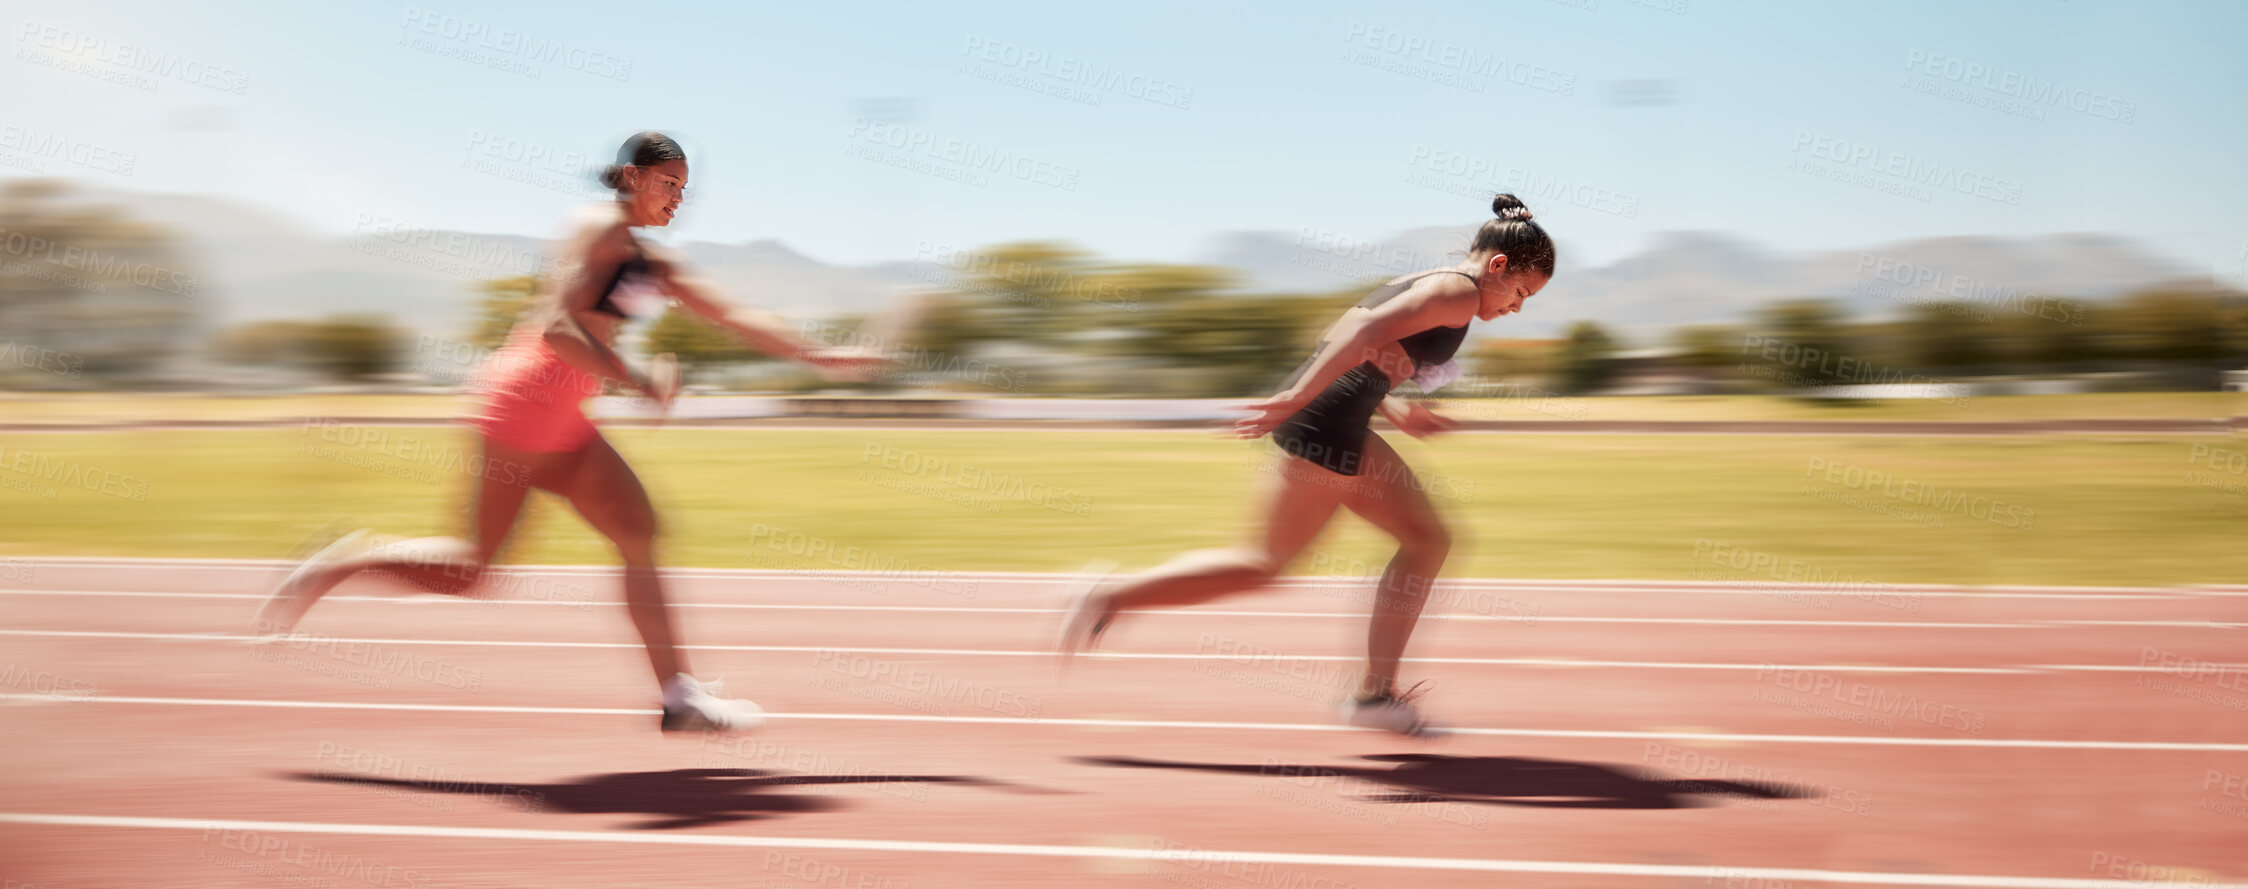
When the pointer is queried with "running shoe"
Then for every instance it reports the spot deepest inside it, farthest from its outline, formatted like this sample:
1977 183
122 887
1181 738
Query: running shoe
700 709
279 616
1390 712
1082 623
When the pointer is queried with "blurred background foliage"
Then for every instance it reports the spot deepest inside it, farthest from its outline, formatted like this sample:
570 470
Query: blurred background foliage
118 297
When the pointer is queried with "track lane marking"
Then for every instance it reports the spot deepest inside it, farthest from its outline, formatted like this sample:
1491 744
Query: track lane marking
1076 722
1190 856
440 600
318 640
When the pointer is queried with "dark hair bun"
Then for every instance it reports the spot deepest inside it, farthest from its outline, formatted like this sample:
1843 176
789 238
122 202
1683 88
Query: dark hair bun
612 175
1510 208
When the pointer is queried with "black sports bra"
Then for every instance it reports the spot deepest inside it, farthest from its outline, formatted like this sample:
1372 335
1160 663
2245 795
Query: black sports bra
1430 347
632 277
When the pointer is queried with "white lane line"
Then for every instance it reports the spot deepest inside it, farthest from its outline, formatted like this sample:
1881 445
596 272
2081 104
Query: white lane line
409 599
1189 856
1747 586
314 642
1072 722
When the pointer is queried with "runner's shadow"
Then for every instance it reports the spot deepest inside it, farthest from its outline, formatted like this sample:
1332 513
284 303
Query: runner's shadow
678 798
1497 780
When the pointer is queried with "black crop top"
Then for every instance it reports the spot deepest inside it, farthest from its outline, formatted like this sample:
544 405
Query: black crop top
1430 347
637 265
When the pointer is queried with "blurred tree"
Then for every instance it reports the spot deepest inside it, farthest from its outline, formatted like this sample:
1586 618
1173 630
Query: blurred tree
344 347
1587 361
2175 328
86 280
353 346
1240 345
267 343
1710 349
1497 359
1948 339
699 344
2053 343
1803 343
505 300
1029 292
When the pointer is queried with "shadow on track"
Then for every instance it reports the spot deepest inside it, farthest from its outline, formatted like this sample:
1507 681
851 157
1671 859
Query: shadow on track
1497 780
678 798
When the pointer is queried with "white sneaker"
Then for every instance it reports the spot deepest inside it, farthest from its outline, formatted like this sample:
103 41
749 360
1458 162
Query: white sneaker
1394 713
1082 621
297 592
698 708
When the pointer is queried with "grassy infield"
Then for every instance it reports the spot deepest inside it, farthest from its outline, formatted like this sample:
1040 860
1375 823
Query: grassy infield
2065 509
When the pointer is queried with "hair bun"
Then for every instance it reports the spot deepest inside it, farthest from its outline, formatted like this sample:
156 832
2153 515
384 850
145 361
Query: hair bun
612 175
1510 208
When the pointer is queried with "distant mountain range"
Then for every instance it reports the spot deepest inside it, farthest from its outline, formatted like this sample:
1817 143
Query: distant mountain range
1702 278
258 265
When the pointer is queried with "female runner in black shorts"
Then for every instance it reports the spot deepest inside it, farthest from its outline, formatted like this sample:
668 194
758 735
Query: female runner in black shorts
1408 329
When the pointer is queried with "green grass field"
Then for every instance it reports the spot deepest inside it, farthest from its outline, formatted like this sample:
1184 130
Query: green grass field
124 407
2065 510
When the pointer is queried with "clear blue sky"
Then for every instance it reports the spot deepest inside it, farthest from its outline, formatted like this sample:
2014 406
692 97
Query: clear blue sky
1304 115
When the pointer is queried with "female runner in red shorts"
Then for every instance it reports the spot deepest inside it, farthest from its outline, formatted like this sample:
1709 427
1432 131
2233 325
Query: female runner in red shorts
535 433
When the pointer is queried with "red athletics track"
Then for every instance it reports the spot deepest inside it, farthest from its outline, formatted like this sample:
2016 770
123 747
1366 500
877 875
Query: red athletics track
1616 734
